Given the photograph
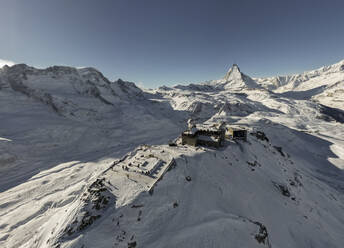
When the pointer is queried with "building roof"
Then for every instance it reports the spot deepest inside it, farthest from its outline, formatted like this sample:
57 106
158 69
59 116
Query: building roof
235 128
208 138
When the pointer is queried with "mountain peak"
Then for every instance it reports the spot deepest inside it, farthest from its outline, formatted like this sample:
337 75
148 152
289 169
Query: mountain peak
236 67
235 79
233 73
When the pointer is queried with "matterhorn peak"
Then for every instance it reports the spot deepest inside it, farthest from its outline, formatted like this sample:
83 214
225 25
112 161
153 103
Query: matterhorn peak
233 73
236 80
235 67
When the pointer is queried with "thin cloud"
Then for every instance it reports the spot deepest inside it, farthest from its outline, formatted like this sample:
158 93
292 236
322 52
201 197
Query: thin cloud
6 62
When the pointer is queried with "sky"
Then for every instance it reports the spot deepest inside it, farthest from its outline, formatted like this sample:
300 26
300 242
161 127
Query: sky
164 42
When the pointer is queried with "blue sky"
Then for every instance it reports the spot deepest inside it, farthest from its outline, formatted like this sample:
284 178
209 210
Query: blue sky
155 42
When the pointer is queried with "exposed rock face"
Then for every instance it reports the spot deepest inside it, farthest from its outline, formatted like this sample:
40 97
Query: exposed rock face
236 80
233 73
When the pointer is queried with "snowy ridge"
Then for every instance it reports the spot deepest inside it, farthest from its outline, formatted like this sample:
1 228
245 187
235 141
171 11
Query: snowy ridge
203 194
295 80
234 80
69 91
324 85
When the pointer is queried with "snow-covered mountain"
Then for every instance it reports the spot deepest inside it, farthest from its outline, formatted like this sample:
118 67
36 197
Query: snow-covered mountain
84 161
63 113
234 81
69 91
325 85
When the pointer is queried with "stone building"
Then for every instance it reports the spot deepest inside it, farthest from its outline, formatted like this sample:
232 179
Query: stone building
236 133
205 135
